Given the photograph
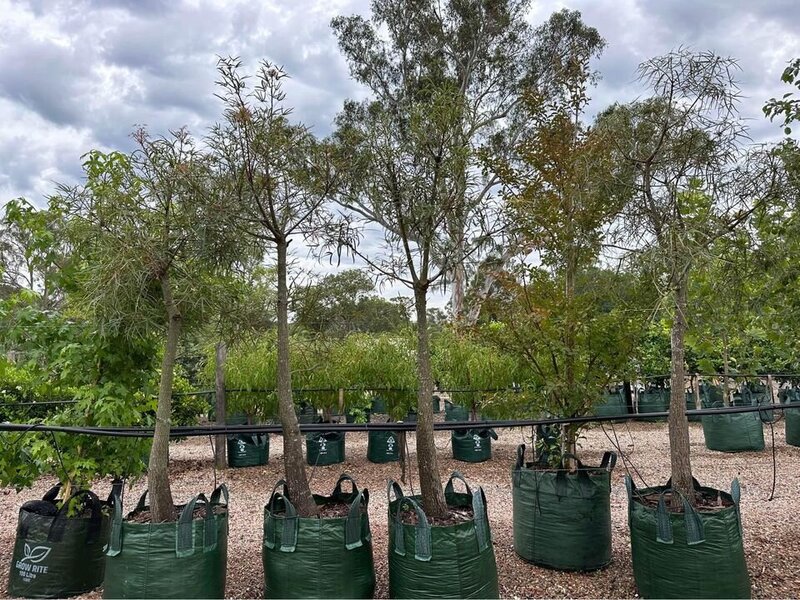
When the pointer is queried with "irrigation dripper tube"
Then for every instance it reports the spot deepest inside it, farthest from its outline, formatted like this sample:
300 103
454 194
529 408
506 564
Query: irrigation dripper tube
193 431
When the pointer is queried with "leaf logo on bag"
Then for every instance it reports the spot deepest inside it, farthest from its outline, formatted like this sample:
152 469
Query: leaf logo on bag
389 444
323 445
477 439
36 554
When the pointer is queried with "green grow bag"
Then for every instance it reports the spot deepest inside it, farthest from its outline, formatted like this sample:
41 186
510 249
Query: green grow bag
455 412
248 450
383 446
689 554
56 555
562 520
473 445
324 448
236 419
611 405
791 416
183 559
738 432
378 406
318 557
441 561
654 400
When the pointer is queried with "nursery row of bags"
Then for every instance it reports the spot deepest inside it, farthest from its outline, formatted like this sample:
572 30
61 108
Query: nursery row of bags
561 520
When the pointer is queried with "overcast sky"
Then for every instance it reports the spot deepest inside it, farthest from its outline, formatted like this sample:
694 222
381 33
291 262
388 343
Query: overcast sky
79 74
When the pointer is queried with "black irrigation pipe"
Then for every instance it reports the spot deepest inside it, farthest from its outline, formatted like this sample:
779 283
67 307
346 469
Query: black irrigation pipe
192 431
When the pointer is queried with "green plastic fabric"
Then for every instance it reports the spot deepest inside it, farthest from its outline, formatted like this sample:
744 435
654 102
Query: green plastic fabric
379 406
248 450
318 557
791 416
656 400
455 412
689 554
473 445
325 448
739 432
448 561
562 520
58 556
383 447
437 404
183 559
611 405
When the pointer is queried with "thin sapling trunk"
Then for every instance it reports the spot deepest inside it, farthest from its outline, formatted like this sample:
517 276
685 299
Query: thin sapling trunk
162 507
678 421
293 460
221 353
431 487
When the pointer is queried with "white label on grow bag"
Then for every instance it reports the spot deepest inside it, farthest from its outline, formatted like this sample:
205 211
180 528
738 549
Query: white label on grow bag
28 566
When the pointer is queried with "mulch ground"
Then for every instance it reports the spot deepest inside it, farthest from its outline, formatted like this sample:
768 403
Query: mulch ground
771 527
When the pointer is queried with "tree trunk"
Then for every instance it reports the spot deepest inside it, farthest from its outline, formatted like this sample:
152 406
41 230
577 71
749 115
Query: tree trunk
429 481
293 460
221 354
678 422
162 507
568 432
726 397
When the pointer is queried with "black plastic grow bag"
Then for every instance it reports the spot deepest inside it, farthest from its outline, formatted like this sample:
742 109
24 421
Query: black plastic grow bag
183 559
448 561
562 520
56 555
689 554
383 446
325 448
318 557
473 445
248 450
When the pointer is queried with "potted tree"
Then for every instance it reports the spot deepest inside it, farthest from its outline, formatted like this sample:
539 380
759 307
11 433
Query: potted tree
277 189
690 188
565 317
148 243
60 541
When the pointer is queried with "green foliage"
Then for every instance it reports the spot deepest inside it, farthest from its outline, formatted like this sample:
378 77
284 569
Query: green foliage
788 107
346 302
462 360
108 378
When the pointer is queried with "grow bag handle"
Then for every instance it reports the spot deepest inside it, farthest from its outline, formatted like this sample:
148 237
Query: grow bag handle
736 494
220 492
337 490
449 489
184 538
114 546
493 434
52 493
352 526
393 486
142 504
480 519
290 521
694 526
609 461
59 524
422 546
520 457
